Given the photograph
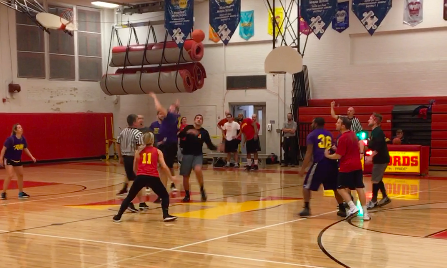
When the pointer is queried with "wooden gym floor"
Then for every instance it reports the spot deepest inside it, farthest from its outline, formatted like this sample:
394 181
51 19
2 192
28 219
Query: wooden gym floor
250 220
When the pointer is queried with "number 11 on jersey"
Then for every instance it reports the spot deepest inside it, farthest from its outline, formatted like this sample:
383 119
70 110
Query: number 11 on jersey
146 158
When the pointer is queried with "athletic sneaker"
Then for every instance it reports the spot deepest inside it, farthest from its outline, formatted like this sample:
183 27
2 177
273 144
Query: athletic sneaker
236 165
371 204
169 218
3 196
255 167
116 218
305 212
143 206
122 192
352 213
186 199
341 213
366 217
23 195
173 187
204 197
132 208
384 201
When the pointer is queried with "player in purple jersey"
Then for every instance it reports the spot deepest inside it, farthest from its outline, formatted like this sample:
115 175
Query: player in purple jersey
323 170
11 158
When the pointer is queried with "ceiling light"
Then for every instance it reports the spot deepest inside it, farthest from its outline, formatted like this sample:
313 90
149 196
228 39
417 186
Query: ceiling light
105 4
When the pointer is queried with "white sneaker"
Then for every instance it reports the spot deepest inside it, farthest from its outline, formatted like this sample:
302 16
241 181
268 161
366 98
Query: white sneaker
366 217
352 213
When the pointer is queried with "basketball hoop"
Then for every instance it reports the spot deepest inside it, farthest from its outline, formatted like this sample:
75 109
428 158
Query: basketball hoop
66 18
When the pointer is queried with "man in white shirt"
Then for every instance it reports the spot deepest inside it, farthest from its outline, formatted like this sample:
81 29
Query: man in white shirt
231 142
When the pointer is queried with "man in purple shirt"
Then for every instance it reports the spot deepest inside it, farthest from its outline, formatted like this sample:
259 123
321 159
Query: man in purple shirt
168 140
323 170
155 126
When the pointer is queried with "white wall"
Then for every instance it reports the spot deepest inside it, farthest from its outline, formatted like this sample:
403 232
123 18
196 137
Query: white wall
42 95
398 60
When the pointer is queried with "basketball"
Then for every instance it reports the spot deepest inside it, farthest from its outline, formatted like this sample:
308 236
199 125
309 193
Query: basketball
397 141
198 36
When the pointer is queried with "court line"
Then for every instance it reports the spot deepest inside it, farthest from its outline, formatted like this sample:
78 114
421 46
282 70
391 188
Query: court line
176 249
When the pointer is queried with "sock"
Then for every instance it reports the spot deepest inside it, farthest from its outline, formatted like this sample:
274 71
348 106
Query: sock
365 210
142 203
341 207
256 162
186 192
351 205
165 212
306 205
201 188
375 192
382 189
248 162
125 186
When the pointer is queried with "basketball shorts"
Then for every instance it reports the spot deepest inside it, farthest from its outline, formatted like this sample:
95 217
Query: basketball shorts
128 167
169 150
253 146
324 172
13 163
378 170
189 162
231 146
351 180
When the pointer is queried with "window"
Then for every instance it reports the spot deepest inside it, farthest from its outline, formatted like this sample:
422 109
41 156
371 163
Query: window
89 45
30 48
61 50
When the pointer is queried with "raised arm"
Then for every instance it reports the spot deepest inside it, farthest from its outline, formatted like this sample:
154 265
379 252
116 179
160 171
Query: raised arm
333 114
158 105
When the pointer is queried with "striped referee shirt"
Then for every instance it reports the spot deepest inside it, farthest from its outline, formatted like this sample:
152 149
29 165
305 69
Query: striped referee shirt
355 124
129 139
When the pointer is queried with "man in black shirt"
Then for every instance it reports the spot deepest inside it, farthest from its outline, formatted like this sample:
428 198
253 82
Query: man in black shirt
380 159
195 135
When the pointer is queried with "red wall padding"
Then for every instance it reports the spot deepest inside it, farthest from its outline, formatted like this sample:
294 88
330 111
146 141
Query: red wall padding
329 120
53 136
367 110
439 144
439 109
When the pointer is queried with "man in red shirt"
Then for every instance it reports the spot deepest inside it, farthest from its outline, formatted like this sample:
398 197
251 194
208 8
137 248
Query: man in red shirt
350 174
250 128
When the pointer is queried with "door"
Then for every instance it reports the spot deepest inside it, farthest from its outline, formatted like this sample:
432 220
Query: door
260 111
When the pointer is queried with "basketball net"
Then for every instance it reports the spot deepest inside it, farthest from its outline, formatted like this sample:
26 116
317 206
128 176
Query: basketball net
67 15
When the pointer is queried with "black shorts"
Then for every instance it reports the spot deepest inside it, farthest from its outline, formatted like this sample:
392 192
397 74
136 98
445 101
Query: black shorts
324 172
128 167
253 146
14 163
351 180
169 150
231 146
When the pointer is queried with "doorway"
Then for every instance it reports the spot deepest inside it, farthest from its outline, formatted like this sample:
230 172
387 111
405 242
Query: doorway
247 110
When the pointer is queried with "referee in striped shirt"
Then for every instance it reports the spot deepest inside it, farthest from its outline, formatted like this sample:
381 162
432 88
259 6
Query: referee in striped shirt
128 141
355 122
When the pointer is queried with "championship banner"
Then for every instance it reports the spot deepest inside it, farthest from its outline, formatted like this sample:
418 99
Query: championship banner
179 19
318 14
247 27
304 27
341 18
224 17
371 12
212 35
279 16
413 12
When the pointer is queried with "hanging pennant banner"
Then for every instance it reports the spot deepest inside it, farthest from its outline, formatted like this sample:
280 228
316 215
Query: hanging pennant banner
247 27
318 14
371 12
224 17
279 16
413 12
304 27
213 36
179 19
341 18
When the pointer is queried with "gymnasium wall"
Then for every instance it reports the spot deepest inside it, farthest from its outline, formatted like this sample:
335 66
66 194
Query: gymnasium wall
240 57
398 60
